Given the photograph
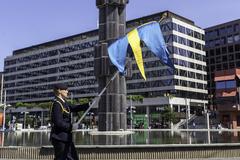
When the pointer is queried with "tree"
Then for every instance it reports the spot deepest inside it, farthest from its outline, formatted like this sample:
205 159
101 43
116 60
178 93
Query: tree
83 100
168 115
44 105
135 98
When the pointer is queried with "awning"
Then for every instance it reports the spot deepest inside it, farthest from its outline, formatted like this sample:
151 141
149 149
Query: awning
225 78
226 93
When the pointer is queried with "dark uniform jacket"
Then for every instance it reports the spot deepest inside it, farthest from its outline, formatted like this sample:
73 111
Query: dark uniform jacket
61 119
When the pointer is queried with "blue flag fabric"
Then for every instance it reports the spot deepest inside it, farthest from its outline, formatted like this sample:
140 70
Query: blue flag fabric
117 53
151 35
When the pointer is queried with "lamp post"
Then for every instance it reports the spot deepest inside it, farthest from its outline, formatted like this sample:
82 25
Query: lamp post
4 117
24 119
132 110
131 120
186 112
169 97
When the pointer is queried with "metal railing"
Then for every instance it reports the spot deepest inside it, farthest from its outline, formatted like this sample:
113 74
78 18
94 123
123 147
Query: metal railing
128 152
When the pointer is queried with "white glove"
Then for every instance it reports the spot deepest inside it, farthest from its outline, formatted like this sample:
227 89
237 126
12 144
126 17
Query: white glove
75 126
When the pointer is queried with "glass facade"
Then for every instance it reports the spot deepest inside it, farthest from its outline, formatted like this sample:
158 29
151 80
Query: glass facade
222 49
31 72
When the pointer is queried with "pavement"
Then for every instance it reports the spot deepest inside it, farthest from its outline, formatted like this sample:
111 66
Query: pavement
231 158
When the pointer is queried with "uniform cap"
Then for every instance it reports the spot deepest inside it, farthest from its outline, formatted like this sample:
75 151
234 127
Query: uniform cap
60 86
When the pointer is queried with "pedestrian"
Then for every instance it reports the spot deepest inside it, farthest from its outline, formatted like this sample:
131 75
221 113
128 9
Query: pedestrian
61 132
194 125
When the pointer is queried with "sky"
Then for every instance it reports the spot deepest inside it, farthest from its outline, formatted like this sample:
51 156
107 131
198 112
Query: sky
24 23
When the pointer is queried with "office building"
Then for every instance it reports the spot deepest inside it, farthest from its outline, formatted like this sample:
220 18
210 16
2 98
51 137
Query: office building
31 72
1 88
223 63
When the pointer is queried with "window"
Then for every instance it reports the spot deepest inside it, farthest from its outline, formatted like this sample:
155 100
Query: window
212 67
174 25
223 40
230 48
217 42
191 75
229 29
218 59
218 67
226 84
198 46
182 40
198 67
198 57
230 39
190 43
238 64
189 32
237 47
166 27
182 52
236 27
175 38
190 54
181 29
230 57
168 38
231 65
197 35
199 76
224 58
231 84
192 84
224 50
237 55
218 51
238 120
183 73
211 52
236 38
222 31
225 65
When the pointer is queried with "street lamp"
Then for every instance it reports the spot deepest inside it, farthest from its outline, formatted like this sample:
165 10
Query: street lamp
132 109
169 97
131 112
25 113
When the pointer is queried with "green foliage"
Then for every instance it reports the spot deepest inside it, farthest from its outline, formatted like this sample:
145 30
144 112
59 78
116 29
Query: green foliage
19 104
83 100
29 121
44 105
73 102
32 105
29 105
168 115
7 119
138 98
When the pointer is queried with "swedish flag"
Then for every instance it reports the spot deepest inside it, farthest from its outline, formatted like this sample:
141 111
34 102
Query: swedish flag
151 35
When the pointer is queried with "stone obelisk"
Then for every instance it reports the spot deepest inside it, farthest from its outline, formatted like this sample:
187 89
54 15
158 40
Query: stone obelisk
112 104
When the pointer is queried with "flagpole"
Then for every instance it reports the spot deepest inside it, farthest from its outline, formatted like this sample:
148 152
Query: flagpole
97 97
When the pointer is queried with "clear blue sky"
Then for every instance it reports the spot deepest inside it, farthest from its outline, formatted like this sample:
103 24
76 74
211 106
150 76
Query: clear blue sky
24 23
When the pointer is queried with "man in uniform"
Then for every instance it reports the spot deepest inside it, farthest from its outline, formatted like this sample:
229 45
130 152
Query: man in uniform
61 133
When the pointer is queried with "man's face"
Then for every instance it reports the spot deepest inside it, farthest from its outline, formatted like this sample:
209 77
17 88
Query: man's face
63 93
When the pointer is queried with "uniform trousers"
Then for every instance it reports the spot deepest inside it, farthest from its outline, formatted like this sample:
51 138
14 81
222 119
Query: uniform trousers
64 150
